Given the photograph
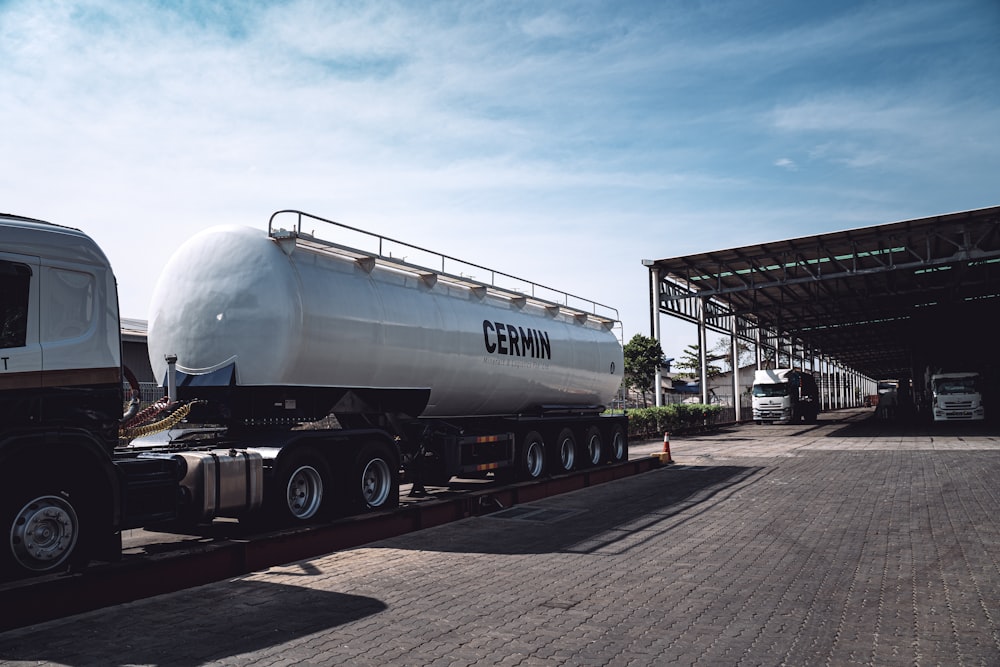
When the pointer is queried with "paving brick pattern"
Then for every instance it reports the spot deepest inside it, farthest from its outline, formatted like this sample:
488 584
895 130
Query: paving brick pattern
810 552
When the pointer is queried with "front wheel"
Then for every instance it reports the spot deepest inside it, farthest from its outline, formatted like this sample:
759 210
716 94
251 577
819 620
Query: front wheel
42 532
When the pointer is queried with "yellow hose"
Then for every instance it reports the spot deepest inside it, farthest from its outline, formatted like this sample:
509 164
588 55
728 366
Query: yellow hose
162 425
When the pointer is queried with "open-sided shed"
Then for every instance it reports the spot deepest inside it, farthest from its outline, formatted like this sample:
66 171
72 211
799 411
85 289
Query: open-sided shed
886 301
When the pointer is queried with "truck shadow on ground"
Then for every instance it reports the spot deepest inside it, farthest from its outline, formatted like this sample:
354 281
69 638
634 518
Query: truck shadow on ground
608 518
686 482
262 615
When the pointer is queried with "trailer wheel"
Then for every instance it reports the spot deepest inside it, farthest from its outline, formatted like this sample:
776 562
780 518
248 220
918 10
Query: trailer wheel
530 463
564 454
300 486
374 482
617 445
593 447
42 531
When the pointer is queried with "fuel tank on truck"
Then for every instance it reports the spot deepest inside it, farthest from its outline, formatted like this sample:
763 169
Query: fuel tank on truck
283 310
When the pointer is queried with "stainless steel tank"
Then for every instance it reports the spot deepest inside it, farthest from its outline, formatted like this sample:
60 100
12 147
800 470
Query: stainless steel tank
288 315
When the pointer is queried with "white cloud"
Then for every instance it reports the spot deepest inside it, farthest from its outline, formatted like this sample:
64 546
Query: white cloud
564 144
550 24
849 113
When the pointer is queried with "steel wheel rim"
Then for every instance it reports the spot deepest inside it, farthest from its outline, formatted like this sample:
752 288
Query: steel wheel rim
304 492
618 446
594 449
534 458
567 453
376 482
44 533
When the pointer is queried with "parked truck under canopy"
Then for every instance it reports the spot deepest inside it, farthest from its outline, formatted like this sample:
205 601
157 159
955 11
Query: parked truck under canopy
956 397
784 396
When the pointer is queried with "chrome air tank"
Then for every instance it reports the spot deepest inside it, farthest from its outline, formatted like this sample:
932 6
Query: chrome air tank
293 315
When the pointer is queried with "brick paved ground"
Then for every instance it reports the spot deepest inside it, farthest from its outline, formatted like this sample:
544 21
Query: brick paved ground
824 548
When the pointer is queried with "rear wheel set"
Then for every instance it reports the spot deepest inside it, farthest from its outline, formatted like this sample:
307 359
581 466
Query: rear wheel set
564 455
617 444
593 447
529 459
301 488
373 483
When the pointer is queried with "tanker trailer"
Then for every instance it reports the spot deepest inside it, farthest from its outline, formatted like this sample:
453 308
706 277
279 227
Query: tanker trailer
415 366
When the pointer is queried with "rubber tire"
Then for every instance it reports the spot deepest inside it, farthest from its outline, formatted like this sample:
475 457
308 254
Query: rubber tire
563 457
530 453
593 448
60 494
374 479
616 453
310 470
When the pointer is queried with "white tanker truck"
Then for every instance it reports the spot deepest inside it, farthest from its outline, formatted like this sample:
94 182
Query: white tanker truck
303 375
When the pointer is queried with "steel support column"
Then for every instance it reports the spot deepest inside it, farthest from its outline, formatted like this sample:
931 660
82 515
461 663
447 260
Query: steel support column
735 351
702 350
654 295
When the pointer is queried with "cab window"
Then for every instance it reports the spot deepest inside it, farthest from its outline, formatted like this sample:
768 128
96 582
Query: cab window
69 304
15 281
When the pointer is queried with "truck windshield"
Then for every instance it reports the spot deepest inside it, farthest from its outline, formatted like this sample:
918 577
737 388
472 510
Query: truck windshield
780 389
956 385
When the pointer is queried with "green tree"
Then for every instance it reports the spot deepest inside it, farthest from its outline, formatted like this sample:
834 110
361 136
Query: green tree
643 355
721 352
690 362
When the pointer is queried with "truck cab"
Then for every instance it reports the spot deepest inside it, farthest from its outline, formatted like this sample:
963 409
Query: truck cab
60 396
63 496
784 396
956 397
60 352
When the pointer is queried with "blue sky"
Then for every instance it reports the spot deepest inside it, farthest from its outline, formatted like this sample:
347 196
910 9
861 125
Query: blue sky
559 141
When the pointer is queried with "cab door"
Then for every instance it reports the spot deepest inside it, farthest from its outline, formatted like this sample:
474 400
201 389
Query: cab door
20 351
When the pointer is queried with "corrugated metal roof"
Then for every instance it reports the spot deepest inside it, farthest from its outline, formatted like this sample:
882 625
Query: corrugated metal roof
885 300
133 330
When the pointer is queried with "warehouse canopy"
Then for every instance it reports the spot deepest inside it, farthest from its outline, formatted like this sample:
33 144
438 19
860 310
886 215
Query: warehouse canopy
887 300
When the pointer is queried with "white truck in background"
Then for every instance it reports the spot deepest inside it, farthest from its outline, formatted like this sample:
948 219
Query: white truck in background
956 397
784 396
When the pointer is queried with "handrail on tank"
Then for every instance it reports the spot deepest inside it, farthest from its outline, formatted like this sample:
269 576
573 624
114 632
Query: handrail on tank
611 314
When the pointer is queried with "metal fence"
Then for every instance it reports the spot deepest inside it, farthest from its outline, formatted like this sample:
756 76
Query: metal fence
149 392
728 412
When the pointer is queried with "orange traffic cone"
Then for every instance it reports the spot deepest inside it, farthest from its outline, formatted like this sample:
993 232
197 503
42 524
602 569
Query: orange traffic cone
665 454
